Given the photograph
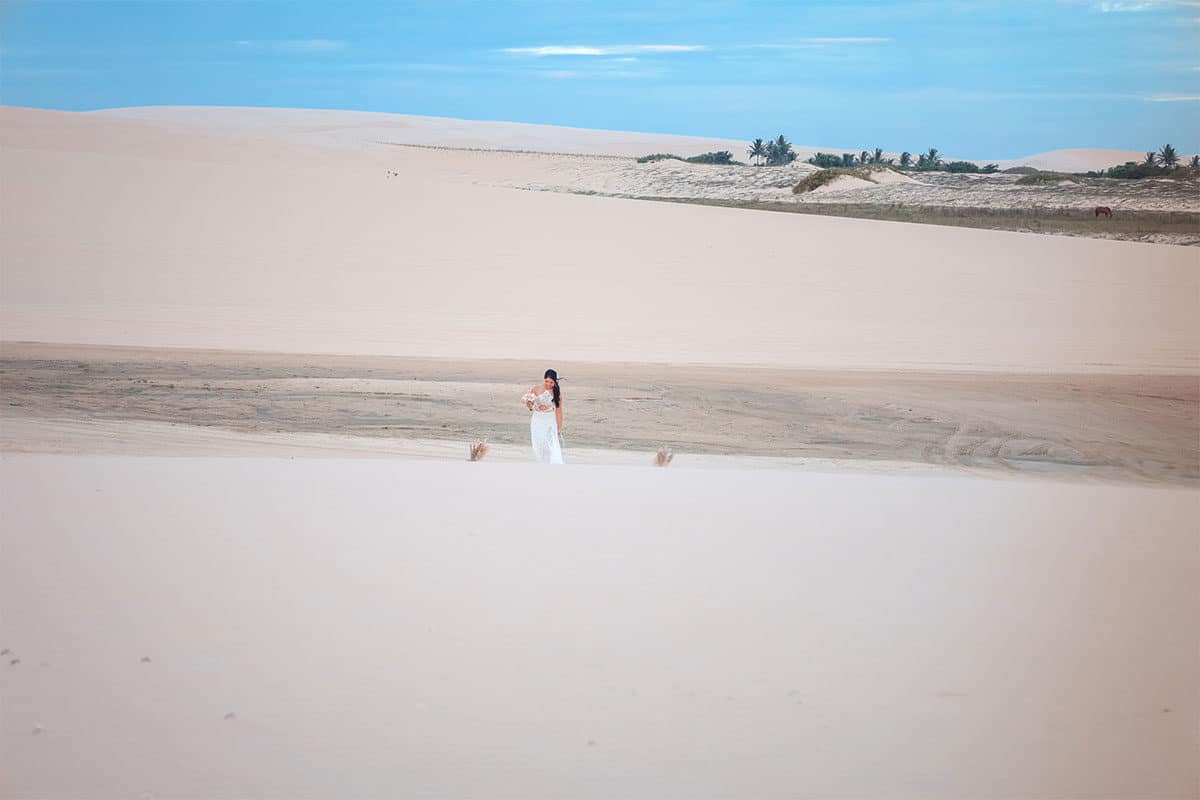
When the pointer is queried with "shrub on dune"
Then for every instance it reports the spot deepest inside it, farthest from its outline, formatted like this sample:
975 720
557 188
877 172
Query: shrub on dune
825 176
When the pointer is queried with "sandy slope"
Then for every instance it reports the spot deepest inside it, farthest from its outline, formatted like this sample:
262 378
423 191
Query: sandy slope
1128 428
1075 159
535 639
118 232
359 127
282 627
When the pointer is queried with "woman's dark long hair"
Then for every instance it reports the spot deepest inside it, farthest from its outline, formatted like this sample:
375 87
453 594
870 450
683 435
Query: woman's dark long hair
557 394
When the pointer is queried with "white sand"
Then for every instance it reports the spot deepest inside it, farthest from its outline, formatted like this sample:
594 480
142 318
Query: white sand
360 127
424 628
119 232
1074 159
446 630
843 183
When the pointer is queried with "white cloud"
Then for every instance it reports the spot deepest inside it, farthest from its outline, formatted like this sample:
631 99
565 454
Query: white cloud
1136 6
294 45
643 49
814 43
846 40
603 50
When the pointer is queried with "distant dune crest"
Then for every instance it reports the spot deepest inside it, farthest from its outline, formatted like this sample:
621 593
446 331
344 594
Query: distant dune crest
363 127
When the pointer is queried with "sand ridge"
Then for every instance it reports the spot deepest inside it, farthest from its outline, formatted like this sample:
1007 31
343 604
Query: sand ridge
183 240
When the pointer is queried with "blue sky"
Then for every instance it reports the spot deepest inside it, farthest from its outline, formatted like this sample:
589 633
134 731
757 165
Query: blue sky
977 79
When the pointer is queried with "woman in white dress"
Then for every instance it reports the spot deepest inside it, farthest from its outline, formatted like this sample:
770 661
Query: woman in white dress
545 423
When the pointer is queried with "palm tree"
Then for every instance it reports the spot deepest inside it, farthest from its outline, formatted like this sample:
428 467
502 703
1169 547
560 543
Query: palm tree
932 159
878 159
864 157
758 150
1151 158
922 161
906 159
1167 156
780 152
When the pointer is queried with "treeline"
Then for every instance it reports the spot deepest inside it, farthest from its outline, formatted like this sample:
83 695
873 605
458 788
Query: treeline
1163 162
719 157
924 162
779 152
775 153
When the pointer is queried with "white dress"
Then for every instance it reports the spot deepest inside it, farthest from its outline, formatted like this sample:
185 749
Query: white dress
543 431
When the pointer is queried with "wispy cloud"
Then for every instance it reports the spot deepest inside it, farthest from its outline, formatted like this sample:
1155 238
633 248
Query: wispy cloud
814 43
603 50
1137 6
1173 98
631 50
293 45
846 39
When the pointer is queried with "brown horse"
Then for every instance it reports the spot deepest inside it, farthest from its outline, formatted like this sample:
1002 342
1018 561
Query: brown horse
1105 210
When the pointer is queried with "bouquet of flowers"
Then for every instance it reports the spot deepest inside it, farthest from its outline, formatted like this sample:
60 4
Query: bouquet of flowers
529 399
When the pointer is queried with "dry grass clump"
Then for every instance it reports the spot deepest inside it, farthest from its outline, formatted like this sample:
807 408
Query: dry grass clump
663 457
1046 179
479 450
822 177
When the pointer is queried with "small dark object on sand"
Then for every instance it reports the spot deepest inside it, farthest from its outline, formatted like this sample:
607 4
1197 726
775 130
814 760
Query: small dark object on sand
1105 210
145 659
230 715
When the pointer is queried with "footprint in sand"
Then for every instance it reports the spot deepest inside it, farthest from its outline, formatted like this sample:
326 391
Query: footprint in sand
5 652
38 730
145 659
231 715
14 662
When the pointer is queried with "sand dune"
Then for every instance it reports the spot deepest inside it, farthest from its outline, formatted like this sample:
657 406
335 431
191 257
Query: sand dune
360 127
1075 159
340 629
266 623
120 232
366 128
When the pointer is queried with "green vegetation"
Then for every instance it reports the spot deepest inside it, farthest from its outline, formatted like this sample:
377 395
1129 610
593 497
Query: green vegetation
1156 164
819 179
773 153
779 152
757 151
719 157
847 160
971 166
1045 179
1131 170
925 162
